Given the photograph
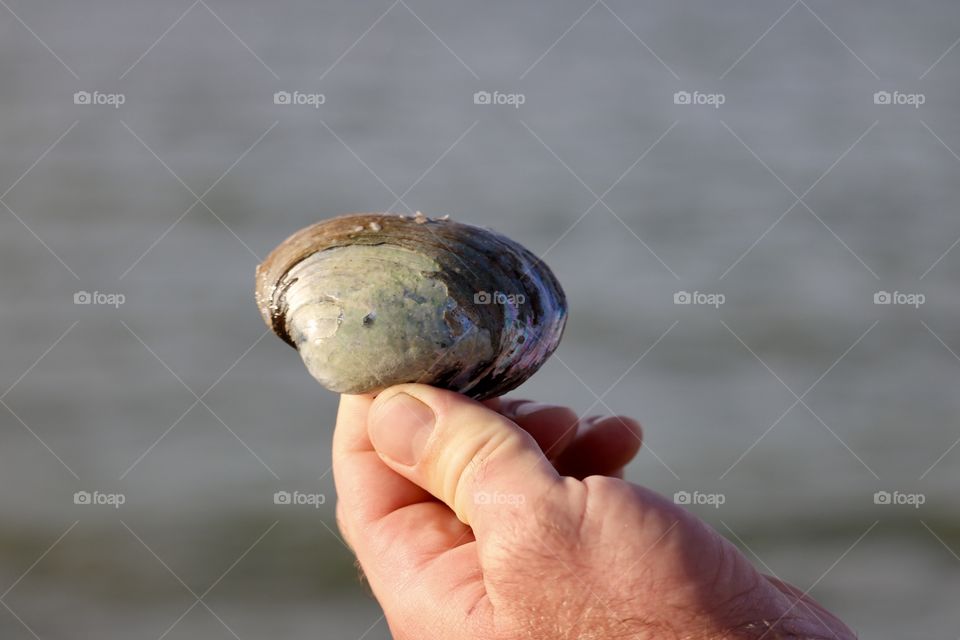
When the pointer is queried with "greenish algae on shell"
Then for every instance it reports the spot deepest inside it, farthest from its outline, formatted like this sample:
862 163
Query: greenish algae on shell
373 300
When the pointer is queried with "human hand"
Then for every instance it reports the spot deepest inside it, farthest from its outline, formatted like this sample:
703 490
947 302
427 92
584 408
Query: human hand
505 520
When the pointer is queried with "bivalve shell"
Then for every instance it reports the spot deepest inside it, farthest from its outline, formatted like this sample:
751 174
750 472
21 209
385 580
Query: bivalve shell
373 300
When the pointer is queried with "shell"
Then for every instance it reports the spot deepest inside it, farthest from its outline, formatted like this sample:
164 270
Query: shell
373 300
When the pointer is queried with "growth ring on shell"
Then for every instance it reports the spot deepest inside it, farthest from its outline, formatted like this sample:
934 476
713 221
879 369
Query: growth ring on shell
373 300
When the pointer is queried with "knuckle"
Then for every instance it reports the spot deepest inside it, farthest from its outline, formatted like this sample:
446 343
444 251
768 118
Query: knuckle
610 491
471 466
543 535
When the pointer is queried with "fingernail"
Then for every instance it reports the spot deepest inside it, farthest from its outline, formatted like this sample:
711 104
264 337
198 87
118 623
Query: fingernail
400 427
530 408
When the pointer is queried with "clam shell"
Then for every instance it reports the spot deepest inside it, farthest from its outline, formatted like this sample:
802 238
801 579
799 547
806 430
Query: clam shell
373 300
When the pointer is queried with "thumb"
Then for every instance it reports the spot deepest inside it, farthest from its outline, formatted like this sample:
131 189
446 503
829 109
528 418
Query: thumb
472 458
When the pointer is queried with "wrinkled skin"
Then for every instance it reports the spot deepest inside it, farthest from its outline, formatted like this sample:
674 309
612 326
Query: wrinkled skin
509 521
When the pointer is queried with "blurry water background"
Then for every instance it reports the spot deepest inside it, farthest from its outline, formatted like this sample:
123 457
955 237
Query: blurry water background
105 199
